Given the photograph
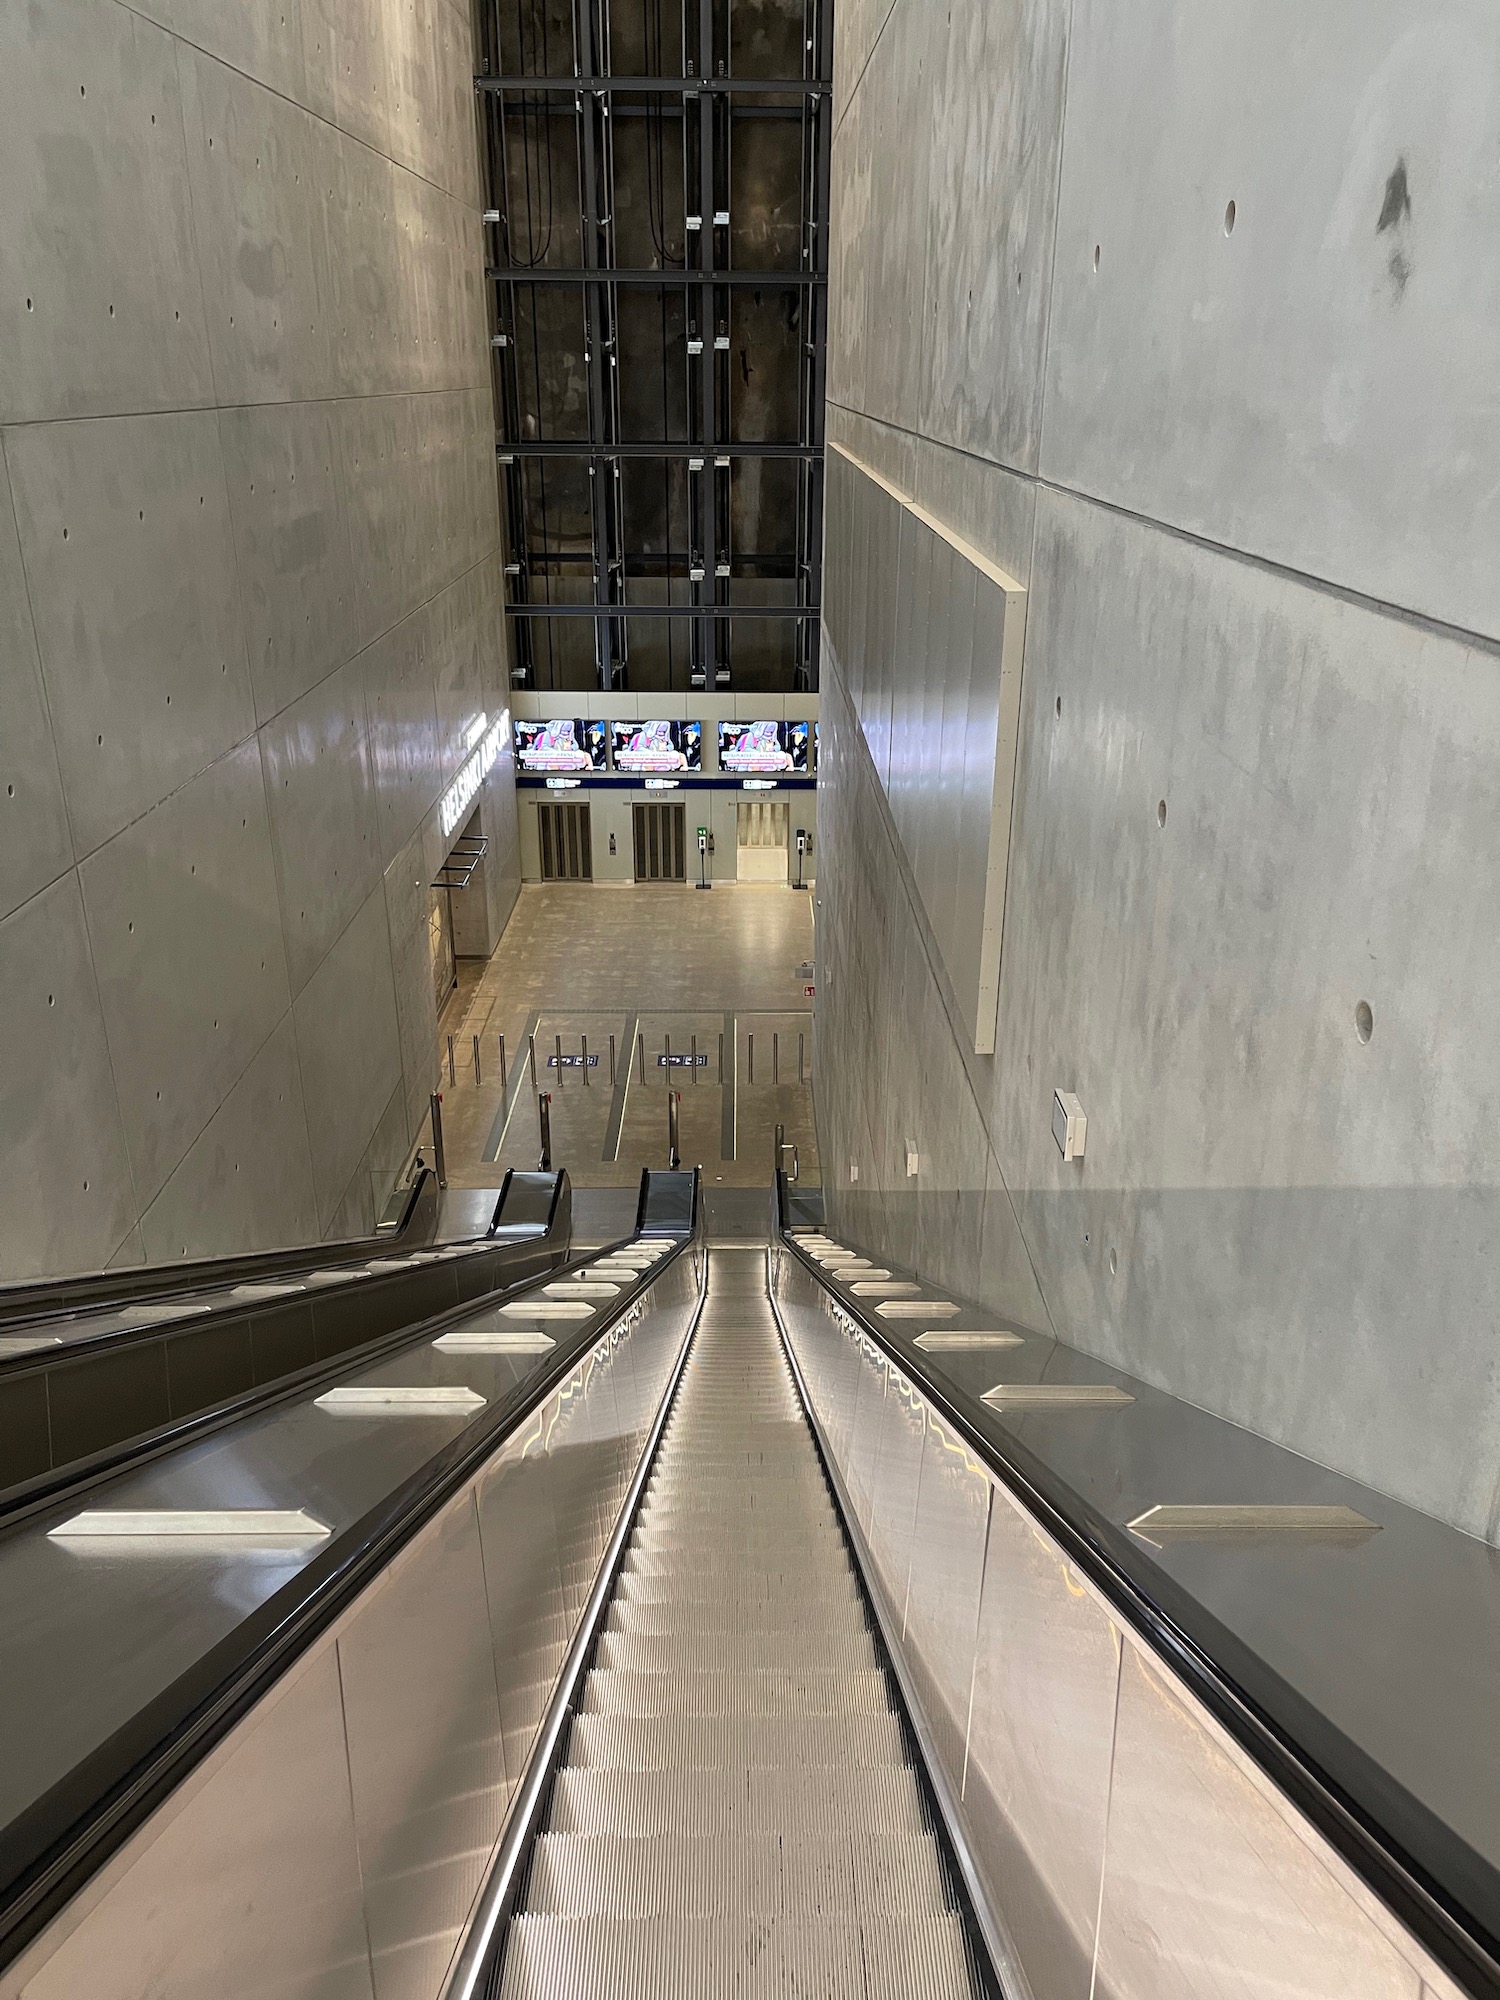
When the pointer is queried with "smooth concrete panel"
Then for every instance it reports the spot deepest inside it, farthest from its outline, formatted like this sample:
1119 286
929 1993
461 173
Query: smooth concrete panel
284 473
349 1049
125 536
369 293
246 1181
995 134
1286 1201
374 1179
66 1198
187 944
321 794
264 177
1314 386
377 441
182 1919
36 844
100 307
410 911
1210 1889
262 39
401 709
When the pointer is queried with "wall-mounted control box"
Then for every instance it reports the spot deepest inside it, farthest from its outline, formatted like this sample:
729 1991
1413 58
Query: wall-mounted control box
1069 1125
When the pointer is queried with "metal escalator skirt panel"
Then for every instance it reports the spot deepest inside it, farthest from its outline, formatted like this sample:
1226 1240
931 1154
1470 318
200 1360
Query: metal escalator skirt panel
736 1811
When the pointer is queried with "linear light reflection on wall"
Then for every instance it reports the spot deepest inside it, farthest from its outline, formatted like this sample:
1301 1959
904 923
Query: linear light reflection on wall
461 794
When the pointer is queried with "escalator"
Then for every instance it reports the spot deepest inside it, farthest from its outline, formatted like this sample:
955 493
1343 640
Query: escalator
739 1800
91 1366
755 1621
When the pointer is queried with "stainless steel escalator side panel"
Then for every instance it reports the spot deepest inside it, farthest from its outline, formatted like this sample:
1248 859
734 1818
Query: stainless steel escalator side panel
273 1798
432 1662
1117 1839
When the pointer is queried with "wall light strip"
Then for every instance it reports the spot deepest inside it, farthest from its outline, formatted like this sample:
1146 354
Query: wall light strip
265 1522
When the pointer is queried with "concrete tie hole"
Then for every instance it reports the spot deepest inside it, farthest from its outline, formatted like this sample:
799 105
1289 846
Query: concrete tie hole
1161 812
1364 1021
1096 256
1229 220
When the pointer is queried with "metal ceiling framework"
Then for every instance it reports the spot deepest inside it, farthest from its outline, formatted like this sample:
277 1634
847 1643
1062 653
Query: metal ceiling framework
554 112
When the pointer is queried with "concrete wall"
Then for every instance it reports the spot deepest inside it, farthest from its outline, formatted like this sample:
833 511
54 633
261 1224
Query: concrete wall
249 607
1185 318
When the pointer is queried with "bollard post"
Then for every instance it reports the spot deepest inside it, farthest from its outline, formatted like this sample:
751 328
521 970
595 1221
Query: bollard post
452 1074
502 1062
439 1160
801 1076
558 1040
780 1143
674 1157
640 1049
611 1058
583 1043
750 1058
531 1051
721 1058
544 1129
775 1058
666 1049
477 1077
695 1058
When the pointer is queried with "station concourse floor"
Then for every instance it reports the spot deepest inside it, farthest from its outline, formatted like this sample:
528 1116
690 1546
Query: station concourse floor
653 965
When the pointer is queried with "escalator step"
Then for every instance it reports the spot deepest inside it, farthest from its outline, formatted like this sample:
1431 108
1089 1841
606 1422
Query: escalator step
732 1743
739 1958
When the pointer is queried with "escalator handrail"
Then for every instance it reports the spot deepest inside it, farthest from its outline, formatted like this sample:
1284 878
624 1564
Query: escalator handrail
51 1849
1445 1893
95 1291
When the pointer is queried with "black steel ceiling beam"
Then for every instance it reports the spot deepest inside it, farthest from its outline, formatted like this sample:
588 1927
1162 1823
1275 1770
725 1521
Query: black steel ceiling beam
610 612
650 448
671 86
553 274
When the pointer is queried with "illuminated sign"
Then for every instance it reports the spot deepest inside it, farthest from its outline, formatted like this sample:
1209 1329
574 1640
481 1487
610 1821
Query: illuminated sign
484 749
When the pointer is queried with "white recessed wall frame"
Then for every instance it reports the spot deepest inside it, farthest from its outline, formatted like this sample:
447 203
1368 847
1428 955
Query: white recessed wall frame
930 649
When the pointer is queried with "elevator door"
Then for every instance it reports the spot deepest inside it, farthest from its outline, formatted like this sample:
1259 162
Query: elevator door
566 842
660 844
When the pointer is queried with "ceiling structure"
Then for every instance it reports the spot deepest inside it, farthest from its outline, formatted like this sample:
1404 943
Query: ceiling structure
656 249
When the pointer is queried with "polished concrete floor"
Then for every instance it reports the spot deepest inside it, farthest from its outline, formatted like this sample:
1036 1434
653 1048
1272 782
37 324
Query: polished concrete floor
640 978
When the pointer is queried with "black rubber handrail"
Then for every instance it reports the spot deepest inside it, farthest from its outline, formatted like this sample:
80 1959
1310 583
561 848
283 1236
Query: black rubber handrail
96 1291
49 1851
1434 1882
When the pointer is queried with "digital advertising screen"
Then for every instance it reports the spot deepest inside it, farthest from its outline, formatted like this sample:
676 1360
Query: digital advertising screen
762 749
657 747
560 745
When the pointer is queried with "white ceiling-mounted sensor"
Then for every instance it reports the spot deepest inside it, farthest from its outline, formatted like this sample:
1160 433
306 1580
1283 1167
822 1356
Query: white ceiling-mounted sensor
913 1160
1069 1126
853 1170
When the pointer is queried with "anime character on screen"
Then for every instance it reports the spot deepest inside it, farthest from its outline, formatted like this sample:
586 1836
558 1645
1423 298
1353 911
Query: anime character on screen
649 747
757 747
555 747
